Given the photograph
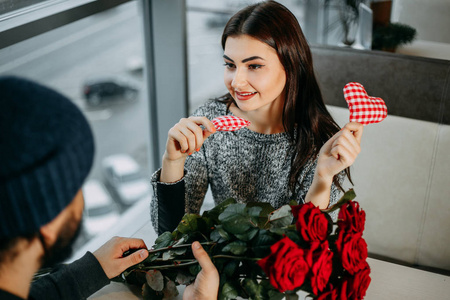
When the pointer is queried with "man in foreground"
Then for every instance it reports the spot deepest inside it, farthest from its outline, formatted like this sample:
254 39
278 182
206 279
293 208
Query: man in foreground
46 152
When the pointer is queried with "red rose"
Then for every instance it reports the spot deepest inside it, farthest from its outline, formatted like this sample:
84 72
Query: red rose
285 265
351 217
321 266
312 223
329 294
355 287
352 249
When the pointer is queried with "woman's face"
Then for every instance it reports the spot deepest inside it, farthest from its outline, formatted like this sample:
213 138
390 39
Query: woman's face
253 75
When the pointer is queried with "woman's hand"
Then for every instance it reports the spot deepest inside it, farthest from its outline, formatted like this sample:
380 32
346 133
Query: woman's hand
184 138
340 151
187 136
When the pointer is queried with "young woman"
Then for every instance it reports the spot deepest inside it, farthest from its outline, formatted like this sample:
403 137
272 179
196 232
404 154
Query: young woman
292 149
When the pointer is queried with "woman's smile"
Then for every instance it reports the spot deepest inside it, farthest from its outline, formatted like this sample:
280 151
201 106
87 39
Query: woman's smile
243 96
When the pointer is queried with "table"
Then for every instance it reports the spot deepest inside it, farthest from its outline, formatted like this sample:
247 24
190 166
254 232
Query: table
389 281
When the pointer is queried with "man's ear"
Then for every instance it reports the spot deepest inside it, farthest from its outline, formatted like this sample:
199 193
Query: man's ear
49 232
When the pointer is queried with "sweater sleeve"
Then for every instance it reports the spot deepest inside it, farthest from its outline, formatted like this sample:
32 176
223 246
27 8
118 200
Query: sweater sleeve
196 180
167 206
77 280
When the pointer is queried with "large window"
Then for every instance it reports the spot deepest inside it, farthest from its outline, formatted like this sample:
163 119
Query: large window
97 63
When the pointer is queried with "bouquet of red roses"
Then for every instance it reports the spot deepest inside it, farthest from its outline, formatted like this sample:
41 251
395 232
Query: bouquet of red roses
263 253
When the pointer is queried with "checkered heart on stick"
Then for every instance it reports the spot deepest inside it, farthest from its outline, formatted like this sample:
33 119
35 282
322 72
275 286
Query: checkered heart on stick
229 123
363 108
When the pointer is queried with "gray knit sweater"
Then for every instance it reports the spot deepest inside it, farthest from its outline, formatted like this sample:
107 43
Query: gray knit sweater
244 165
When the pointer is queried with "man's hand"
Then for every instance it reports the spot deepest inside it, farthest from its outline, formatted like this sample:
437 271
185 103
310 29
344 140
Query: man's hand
206 285
110 255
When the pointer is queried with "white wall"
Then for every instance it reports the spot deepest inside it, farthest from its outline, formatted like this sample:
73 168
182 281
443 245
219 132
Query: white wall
431 18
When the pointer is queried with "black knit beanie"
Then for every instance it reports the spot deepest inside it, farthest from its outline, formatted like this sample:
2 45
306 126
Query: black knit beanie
46 152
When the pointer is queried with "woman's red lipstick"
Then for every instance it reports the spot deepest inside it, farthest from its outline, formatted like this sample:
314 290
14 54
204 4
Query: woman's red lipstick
244 95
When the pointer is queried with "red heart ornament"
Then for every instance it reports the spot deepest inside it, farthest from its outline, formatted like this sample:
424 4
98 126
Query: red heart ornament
363 108
229 123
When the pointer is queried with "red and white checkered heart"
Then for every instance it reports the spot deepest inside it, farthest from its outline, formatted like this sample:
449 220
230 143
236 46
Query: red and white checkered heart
363 108
229 123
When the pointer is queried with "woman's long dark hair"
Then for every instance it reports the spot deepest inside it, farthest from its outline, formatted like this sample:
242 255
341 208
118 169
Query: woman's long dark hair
305 117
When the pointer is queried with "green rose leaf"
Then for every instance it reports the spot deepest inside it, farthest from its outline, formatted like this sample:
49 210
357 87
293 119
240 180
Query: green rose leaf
262 242
235 219
272 293
214 213
254 211
233 211
293 202
184 278
229 290
216 237
223 233
163 240
195 269
168 255
151 257
155 280
149 294
205 224
220 235
348 196
248 235
188 223
170 290
277 230
179 251
135 277
230 268
252 288
263 217
281 217
182 240
236 247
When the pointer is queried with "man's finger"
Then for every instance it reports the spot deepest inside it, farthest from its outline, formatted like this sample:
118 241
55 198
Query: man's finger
202 257
137 257
132 243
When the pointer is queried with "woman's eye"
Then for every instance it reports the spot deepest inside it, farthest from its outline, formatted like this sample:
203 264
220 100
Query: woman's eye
254 66
229 65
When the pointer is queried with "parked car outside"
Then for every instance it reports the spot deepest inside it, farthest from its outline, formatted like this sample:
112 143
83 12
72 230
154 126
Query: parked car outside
110 88
124 177
100 211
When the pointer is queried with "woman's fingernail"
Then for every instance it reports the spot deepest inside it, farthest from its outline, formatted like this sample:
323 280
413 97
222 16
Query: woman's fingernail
190 153
198 149
197 245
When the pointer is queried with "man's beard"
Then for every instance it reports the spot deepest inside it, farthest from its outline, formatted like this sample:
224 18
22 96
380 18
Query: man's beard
62 249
